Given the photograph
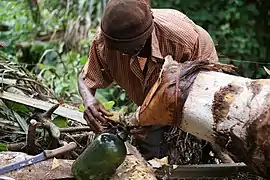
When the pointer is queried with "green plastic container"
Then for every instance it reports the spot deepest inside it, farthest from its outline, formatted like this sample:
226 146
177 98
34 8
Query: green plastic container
100 159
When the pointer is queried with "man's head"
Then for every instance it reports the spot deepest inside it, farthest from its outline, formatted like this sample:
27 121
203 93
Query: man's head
126 25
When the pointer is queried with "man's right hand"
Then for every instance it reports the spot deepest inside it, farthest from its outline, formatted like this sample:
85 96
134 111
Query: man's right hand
94 111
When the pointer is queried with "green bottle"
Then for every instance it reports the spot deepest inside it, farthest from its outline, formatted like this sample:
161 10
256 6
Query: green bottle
101 158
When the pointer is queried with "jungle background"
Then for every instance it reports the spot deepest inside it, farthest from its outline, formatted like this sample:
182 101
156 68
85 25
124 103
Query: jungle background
44 44
51 38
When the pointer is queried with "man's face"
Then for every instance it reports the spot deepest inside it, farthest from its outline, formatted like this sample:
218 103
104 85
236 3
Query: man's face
132 52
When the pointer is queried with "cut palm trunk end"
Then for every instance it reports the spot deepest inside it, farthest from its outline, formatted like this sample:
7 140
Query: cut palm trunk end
229 111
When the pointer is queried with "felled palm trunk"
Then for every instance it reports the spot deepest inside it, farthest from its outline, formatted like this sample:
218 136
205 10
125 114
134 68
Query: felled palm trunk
230 111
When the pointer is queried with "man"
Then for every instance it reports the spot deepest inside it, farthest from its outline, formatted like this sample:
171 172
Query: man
129 47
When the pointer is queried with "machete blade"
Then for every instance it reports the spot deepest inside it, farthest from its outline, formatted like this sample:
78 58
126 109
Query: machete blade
23 163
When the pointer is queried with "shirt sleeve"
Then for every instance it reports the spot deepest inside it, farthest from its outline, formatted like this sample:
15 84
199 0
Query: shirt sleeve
95 72
204 48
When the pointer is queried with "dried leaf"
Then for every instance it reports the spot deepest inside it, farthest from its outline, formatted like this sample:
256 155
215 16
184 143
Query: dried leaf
8 81
158 163
40 104
155 164
164 160
115 117
55 163
9 125
15 91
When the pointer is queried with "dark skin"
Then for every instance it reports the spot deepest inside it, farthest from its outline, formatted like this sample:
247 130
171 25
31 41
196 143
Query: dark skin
146 51
143 50
94 110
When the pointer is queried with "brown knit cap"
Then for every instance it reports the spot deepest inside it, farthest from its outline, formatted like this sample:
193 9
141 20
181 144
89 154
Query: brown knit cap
126 23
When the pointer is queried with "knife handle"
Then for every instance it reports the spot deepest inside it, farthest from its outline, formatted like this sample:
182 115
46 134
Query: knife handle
58 151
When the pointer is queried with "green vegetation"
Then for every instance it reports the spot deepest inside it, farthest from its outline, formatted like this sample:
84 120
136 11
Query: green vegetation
239 28
53 37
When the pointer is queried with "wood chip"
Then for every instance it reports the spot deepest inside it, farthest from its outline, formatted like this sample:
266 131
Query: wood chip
55 163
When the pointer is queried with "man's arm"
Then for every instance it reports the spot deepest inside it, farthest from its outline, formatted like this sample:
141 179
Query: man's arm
89 80
85 92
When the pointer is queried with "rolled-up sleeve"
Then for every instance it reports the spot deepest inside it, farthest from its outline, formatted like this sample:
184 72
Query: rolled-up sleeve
95 72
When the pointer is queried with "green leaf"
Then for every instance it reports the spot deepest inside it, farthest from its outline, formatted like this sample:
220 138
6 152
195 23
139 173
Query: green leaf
83 60
19 108
41 66
123 110
108 105
81 108
3 147
72 82
50 58
21 121
122 96
61 47
60 122
100 97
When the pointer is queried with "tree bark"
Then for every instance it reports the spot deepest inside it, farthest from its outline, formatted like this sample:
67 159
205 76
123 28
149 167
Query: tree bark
230 111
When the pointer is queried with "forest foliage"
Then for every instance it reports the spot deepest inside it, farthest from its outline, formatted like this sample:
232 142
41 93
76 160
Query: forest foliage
52 38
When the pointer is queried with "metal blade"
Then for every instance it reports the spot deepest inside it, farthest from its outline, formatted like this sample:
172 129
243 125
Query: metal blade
202 170
23 163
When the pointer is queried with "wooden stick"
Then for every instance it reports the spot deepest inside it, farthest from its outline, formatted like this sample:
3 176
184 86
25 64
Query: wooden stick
16 146
31 147
75 129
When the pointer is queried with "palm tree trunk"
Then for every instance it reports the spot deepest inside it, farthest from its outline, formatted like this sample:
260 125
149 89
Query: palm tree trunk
226 110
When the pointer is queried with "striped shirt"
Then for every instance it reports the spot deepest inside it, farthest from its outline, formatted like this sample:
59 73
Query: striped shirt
174 34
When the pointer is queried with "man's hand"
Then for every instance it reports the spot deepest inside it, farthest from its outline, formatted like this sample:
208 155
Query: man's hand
94 112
